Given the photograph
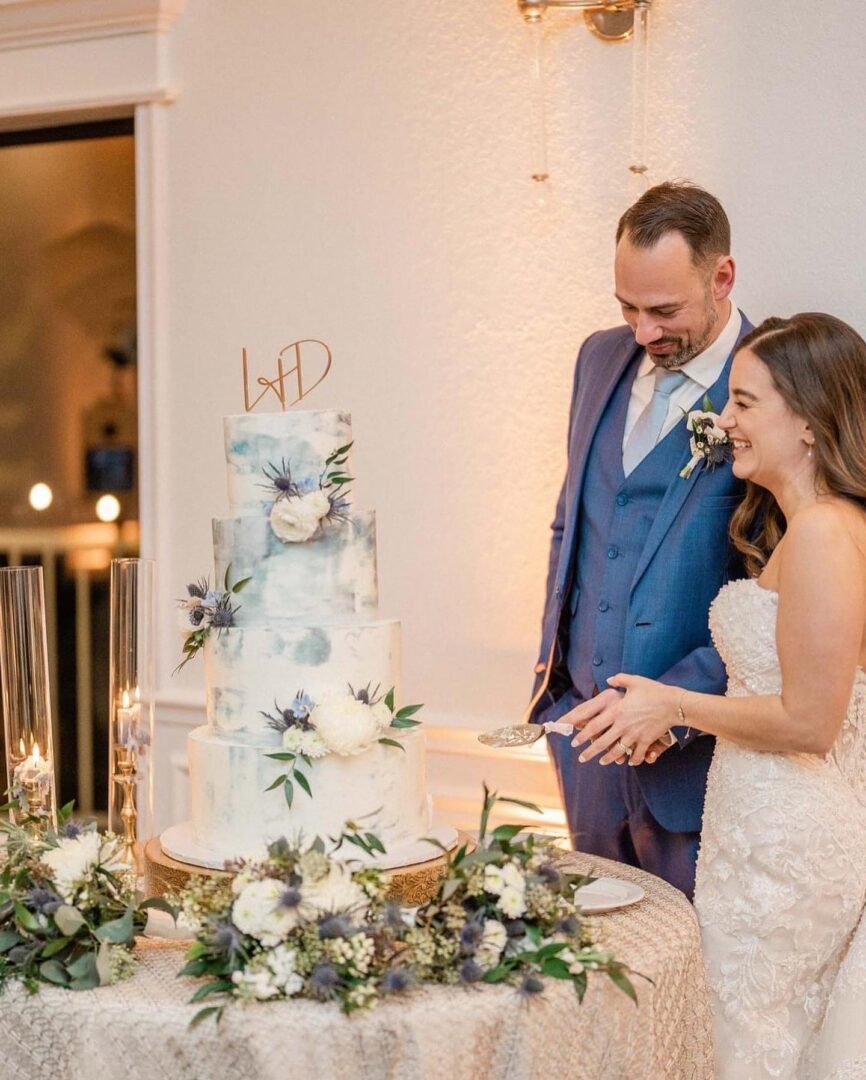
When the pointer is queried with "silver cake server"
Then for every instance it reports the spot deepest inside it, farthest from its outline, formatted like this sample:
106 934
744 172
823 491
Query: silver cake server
523 734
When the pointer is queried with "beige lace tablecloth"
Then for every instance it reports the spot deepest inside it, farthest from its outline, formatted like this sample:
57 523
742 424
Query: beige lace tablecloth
138 1029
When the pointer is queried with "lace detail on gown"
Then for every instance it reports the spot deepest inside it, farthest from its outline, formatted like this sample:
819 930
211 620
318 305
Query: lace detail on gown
781 874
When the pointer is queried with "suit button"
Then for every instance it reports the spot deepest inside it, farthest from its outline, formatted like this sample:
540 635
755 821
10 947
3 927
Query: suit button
612 552
597 660
621 499
603 605
558 592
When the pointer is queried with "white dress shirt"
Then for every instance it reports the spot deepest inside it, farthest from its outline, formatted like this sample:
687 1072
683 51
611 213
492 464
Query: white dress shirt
702 372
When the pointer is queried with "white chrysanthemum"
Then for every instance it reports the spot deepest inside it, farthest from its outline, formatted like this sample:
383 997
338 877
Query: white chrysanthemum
382 715
512 902
335 892
297 518
258 912
346 725
255 984
304 742
282 961
493 880
72 861
494 938
513 876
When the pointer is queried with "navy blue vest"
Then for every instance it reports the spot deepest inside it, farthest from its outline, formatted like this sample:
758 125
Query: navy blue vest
614 520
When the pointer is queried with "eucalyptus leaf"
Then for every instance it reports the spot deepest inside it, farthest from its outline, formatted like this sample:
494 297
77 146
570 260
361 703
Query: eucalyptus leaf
619 978
223 986
54 972
404 722
27 919
289 792
505 832
83 972
55 946
242 584
118 931
407 711
279 780
389 700
159 903
283 755
103 964
68 919
8 940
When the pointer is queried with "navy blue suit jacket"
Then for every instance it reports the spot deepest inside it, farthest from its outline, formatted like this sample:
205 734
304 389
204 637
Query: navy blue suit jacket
686 559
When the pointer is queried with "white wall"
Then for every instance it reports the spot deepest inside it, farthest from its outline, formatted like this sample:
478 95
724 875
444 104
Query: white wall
359 172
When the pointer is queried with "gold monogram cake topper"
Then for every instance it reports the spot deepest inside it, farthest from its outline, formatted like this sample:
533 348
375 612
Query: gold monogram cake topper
278 385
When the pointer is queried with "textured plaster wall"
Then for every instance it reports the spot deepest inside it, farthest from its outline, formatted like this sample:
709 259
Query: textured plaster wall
359 172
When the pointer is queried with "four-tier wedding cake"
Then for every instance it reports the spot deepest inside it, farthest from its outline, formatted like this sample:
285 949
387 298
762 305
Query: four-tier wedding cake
304 727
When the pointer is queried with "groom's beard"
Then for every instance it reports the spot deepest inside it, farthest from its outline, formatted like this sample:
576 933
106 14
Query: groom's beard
688 347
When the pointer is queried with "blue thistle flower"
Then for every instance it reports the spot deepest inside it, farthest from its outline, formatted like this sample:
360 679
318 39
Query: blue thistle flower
223 615
334 926
290 897
226 938
198 589
324 980
568 925
531 984
279 482
471 934
43 901
470 972
549 874
396 981
72 829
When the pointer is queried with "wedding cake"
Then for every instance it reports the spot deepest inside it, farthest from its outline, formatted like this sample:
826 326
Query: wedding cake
304 726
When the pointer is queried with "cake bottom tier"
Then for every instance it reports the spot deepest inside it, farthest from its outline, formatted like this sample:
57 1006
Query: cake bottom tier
382 790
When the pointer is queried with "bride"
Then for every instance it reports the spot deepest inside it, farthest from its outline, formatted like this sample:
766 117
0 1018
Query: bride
781 876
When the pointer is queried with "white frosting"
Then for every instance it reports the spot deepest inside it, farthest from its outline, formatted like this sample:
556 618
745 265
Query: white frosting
332 574
248 669
305 622
382 790
302 439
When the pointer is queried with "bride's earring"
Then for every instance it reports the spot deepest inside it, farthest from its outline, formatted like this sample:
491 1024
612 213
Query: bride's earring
809 451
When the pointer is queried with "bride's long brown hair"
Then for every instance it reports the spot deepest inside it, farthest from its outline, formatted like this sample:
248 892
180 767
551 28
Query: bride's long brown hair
818 365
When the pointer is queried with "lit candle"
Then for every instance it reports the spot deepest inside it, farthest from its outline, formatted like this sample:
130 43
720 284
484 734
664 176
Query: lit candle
34 769
129 720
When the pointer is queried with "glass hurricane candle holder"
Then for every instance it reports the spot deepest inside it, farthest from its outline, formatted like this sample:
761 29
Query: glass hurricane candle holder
131 704
26 697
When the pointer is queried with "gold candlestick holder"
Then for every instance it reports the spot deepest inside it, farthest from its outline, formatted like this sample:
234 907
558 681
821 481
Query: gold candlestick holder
125 777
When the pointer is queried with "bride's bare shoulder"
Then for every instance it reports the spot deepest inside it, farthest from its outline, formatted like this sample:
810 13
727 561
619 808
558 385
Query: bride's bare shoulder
828 529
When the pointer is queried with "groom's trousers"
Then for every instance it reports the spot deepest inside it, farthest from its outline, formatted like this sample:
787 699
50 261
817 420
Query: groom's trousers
608 816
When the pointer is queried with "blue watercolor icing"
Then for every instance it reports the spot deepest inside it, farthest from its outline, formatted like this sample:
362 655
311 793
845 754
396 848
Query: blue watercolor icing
313 649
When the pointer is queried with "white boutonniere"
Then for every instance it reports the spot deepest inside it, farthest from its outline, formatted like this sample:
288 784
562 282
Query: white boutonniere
708 441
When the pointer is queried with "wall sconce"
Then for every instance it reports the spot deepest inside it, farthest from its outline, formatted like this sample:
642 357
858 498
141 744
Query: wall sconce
614 21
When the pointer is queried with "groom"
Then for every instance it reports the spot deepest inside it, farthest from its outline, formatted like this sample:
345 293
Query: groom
638 552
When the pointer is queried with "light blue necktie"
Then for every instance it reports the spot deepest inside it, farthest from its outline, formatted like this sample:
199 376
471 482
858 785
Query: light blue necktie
645 433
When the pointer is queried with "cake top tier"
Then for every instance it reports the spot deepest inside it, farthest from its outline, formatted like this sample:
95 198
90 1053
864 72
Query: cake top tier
258 445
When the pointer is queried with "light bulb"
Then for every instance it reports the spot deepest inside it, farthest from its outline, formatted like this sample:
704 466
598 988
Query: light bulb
41 496
107 508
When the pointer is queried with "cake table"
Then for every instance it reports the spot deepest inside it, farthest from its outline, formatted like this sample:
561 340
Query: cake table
139 1029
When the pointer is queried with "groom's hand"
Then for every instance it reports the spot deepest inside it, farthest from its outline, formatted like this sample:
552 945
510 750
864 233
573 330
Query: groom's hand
605 707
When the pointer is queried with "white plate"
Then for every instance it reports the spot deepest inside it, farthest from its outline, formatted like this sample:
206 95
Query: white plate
607 894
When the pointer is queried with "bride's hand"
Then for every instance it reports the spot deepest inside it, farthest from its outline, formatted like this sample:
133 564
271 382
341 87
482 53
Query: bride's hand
641 719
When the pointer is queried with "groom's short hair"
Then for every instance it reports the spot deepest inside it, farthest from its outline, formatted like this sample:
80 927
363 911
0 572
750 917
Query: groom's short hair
678 206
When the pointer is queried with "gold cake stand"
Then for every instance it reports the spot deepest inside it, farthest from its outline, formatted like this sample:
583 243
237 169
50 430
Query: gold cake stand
410 885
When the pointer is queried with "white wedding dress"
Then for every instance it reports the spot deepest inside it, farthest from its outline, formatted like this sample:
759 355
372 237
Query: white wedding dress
781 878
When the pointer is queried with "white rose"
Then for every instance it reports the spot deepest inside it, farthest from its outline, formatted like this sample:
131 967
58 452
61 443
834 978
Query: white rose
512 902
296 519
257 912
346 725
335 892
494 938
74 857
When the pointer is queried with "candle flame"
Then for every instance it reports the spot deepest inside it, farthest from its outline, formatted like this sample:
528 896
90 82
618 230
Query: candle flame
37 757
22 748
124 701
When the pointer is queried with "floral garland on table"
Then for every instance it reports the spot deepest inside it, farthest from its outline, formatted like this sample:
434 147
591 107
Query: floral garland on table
298 923
68 914
205 609
301 508
343 723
